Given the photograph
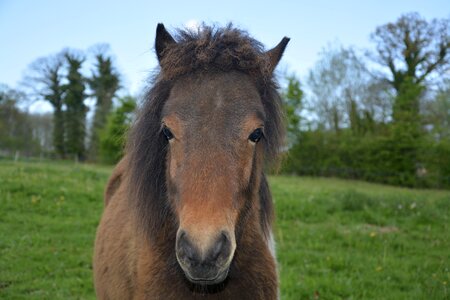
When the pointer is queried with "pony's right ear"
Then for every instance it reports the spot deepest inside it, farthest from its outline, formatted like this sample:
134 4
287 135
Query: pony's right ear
162 41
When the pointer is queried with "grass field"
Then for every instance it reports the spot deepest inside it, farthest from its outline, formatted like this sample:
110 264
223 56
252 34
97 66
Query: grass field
336 239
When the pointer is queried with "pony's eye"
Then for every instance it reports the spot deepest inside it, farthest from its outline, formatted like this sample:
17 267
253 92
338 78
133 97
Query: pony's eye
256 135
168 134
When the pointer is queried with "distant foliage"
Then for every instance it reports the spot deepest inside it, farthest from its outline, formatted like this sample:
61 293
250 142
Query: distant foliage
44 81
61 81
377 126
385 120
292 102
16 128
104 83
75 114
382 158
112 137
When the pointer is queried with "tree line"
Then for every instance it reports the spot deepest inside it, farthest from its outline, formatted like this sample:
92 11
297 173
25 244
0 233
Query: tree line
380 115
61 81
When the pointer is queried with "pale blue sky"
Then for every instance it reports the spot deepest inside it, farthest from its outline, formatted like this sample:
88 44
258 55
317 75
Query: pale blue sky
33 28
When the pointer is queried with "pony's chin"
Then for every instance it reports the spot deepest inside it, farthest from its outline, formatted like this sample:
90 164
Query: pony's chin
221 276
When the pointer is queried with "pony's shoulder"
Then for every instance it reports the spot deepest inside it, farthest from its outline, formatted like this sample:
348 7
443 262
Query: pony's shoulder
116 179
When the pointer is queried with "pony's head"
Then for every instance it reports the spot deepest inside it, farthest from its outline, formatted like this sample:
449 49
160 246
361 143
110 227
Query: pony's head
198 149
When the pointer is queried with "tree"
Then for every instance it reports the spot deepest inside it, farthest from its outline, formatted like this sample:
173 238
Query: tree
292 101
42 129
112 137
75 114
342 90
104 83
406 133
45 82
15 128
413 48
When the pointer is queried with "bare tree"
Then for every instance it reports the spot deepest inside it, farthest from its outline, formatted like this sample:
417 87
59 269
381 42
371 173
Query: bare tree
42 128
44 81
342 90
413 48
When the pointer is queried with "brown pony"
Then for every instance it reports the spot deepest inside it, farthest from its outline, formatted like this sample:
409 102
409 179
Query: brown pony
188 211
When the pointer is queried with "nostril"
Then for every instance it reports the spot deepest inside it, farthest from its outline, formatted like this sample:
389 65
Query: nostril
220 247
185 249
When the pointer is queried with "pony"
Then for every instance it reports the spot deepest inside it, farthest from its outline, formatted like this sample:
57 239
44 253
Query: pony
188 211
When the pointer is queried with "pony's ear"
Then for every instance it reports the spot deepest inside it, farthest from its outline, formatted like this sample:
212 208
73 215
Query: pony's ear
274 55
162 41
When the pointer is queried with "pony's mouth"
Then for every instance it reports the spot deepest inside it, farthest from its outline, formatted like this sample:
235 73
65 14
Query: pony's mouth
219 278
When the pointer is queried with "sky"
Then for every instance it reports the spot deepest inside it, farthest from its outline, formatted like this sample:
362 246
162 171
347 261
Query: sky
30 29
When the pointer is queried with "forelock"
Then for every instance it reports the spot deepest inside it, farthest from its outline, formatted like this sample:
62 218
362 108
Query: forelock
210 48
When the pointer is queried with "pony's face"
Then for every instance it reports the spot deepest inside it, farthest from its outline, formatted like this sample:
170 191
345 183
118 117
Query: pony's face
213 123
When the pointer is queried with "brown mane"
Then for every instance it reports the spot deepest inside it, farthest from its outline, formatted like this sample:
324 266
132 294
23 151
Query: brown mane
206 50
214 49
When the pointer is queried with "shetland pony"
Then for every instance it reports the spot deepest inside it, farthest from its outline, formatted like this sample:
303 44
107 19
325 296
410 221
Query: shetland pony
188 211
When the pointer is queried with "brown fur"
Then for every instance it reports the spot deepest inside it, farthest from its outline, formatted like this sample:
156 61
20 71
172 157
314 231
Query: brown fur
208 178
115 180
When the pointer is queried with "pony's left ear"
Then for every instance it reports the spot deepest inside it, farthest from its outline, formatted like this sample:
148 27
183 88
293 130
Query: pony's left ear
274 55
162 41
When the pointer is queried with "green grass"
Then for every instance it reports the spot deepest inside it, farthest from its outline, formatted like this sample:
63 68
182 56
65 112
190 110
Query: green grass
353 240
336 239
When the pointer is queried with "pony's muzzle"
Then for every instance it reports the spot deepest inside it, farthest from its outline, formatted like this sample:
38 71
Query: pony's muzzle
207 265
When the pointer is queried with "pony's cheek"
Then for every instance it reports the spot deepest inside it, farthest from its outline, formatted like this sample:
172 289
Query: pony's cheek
246 163
173 168
175 158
